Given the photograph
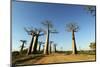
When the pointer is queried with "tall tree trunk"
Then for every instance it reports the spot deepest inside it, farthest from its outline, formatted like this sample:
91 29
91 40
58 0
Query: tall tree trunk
54 48
39 47
34 47
74 49
43 48
47 43
30 47
22 47
50 48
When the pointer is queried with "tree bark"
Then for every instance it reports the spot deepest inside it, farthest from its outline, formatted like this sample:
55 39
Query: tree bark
54 48
43 48
30 47
34 47
74 49
47 43
39 47
50 48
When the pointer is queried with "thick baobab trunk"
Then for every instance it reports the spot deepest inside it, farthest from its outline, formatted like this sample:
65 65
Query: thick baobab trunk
30 47
74 49
34 47
47 44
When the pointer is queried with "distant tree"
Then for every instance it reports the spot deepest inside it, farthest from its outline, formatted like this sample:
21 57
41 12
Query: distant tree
32 33
25 51
15 53
35 33
91 10
55 50
50 47
73 27
22 46
43 48
49 27
40 43
92 45
61 48
35 43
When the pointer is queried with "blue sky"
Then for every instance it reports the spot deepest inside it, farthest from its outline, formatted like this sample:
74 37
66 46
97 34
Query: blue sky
31 14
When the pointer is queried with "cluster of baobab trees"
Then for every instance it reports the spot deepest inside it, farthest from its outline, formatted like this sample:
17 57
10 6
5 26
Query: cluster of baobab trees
47 49
35 34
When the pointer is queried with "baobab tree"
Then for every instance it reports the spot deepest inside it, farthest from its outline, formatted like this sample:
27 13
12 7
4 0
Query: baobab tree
73 27
37 34
32 33
49 26
50 48
92 45
22 46
55 50
34 41
40 43
43 48
91 10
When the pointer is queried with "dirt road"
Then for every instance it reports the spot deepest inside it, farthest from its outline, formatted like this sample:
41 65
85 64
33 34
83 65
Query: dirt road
58 58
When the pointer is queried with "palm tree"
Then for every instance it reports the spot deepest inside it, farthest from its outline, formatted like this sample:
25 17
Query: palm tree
49 26
22 46
73 27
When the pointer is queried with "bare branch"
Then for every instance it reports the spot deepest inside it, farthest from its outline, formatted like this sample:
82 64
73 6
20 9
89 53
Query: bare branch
53 31
91 10
41 42
72 27
24 41
29 31
47 23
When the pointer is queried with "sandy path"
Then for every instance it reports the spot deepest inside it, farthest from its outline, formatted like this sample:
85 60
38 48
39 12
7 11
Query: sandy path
57 58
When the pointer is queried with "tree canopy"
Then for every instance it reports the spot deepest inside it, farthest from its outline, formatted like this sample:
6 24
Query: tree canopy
92 45
72 27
